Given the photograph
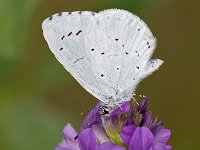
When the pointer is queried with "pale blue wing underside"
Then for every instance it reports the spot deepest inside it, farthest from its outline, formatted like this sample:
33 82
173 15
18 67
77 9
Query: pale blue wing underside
108 53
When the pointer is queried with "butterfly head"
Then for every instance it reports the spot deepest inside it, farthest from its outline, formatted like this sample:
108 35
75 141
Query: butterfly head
105 110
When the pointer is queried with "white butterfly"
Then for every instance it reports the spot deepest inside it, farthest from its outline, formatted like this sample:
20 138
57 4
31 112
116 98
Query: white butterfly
108 52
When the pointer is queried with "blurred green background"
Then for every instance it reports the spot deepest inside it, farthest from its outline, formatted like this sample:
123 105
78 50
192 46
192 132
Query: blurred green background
38 97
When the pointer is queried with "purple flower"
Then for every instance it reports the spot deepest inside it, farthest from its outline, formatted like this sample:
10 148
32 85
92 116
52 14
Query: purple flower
130 126
93 138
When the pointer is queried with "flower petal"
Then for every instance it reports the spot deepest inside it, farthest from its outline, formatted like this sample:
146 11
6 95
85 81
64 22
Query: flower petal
61 146
69 135
157 127
126 133
161 147
100 133
110 146
143 106
87 140
93 117
130 115
163 136
142 139
148 119
124 108
69 132
168 147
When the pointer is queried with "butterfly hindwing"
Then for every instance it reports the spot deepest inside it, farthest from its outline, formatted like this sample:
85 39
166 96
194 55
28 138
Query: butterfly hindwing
123 46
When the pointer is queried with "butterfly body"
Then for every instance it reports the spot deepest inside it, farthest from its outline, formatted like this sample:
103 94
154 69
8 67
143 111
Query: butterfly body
108 52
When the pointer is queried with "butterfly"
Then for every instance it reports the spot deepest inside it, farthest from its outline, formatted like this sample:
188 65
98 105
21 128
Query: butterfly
108 53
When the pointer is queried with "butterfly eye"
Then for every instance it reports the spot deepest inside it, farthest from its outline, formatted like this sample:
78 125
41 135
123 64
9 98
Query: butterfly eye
104 110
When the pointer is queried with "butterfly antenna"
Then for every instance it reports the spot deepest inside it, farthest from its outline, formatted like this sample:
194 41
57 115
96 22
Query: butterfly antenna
85 112
88 124
76 137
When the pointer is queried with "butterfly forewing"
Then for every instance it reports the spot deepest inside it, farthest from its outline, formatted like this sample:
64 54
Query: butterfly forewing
123 46
65 36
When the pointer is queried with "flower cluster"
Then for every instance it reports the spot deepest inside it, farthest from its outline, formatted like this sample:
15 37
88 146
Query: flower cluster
130 126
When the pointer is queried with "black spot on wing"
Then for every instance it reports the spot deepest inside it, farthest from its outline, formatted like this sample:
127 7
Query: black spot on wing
62 37
70 34
78 32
